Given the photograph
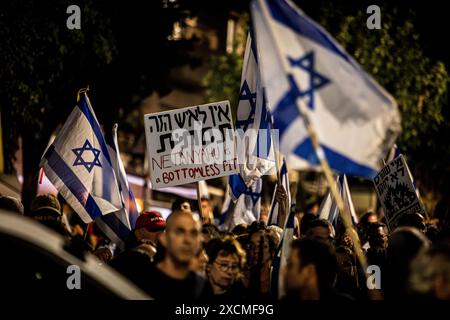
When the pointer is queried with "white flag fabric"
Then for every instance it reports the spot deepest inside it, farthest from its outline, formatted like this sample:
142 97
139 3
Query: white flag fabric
254 120
356 120
78 164
243 198
118 225
329 210
246 209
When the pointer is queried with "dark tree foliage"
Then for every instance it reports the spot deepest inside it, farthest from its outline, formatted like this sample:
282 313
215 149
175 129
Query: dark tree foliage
122 53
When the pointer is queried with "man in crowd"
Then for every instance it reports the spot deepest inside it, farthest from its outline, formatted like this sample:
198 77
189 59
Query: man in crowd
321 230
181 205
311 272
140 246
207 211
46 209
430 273
403 246
171 279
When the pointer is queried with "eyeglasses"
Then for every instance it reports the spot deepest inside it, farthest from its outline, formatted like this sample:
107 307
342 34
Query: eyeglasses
223 266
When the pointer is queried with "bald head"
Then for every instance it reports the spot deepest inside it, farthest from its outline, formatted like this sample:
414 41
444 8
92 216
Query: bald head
181 237
176 215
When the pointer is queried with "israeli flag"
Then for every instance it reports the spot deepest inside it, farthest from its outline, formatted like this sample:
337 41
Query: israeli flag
328 209
355 119
246 209
242 201
274 208
118 225
79 165
256 153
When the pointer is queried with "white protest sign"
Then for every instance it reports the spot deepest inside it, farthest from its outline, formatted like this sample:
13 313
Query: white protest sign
396 191
190 144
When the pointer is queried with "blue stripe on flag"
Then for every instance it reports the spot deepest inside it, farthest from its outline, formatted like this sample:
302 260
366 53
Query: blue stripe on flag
288 16
283 169
275 279
397 151
72 182
282 12
83 106
117 226
286 111
237 185
133 211
253 44
337 161
106 185
264 124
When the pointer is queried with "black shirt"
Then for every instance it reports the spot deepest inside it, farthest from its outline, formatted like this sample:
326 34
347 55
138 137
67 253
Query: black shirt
160 286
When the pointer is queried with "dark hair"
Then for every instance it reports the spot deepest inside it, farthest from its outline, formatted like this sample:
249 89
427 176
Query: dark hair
310 205
240 229
365 217
75 219
225 246
260 226
321 255
415 220
344 250
211 230
404 245
319 223
176 205
11 204
306 222
442 209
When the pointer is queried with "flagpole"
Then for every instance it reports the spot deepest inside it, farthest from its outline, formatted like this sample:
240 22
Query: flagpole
82 90
86 231
277 154
321 155
199 199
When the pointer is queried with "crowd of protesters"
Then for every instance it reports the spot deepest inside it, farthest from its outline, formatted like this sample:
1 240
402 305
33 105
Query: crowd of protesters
187 258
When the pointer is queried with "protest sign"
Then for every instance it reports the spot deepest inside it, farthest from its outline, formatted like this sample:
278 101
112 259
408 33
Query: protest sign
190 144
396 191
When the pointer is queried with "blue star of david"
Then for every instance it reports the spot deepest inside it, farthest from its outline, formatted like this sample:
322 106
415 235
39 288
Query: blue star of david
247 94
316 80
253 195
79 161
